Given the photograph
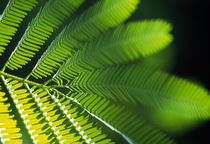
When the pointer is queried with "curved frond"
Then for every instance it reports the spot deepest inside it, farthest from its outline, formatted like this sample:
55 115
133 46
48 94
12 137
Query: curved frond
118 117
125 44
155 90
53 119
103 15
11 18
53 14
74 73
78 119
34 120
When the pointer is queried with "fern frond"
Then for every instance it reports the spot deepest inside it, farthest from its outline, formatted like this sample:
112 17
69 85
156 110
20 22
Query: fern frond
103 15
35 122
51 119
53 14
125 44
9 132
140 85
79 121
91 81
120 119
11 18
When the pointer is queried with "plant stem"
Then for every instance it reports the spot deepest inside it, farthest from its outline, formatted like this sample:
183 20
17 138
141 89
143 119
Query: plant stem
23 80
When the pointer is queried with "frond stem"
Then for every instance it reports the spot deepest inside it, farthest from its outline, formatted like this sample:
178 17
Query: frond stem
24 80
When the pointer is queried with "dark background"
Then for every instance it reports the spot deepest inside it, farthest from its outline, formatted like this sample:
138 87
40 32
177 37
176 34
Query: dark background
191 37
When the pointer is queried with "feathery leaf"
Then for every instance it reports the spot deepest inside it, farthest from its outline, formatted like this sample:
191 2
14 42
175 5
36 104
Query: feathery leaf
53 14
145 87
11 18
103 15
118 117
125 44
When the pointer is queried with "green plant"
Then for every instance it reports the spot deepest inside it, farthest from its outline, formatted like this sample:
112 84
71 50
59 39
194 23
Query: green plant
74 76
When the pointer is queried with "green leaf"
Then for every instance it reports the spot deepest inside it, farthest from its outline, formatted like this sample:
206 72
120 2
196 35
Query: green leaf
150 90
11 19
92 23
43 112
130 42
120 118
75 75
53 14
